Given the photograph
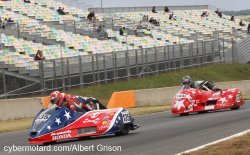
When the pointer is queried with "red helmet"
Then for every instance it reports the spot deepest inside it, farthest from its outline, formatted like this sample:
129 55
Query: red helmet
57 98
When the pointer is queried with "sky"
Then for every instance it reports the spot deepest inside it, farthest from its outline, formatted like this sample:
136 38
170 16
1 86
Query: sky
222 4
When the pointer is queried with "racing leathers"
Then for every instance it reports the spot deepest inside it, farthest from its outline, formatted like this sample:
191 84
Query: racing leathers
74 102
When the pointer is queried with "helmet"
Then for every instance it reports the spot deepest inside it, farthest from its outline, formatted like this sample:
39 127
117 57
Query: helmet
187 80
57 98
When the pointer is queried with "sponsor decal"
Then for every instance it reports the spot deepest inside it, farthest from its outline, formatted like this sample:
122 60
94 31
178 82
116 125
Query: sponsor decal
61 135
103 127
95 115
210 107
180 96
105 122
183 96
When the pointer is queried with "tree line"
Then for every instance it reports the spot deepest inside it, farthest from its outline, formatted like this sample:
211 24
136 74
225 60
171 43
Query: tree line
237 13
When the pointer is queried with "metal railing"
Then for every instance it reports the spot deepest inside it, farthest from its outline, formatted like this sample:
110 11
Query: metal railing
65 73
103 68
110 67
147 8
239 52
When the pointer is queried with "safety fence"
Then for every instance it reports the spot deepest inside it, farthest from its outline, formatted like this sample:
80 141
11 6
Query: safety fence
147 8
99 68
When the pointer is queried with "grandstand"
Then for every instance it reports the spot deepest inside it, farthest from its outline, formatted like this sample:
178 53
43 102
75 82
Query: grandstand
77 54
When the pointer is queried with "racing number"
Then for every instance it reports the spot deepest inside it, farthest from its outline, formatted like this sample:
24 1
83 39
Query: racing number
125 117
43 117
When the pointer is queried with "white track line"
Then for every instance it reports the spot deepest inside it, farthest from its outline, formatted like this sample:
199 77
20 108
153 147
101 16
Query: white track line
215 142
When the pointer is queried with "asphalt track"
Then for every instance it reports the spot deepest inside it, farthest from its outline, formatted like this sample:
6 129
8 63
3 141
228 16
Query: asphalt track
160 134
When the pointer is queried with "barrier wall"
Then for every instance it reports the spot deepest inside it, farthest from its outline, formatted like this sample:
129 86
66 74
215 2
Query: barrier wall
29 107
119 99
164 96
19 108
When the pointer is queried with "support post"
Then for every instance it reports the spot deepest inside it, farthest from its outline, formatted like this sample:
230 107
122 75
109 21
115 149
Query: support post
80 71
105 70
54 70
156 60
41 77
4 86
136 63
97 68
114 65
93 68
127 64
68 74
233 58
165 59
62 67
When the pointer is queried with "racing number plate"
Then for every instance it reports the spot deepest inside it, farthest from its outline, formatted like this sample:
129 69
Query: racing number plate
43 117
126 117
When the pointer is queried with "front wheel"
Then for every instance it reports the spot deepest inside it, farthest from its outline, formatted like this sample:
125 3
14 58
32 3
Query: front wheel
124 130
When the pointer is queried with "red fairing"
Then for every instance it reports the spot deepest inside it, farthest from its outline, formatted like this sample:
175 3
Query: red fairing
198 100
99 120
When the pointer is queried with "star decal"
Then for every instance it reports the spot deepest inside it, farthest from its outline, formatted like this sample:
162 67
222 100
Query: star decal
188 97
223 100
67 114
230 96
58 121
179 104
48 127
119 118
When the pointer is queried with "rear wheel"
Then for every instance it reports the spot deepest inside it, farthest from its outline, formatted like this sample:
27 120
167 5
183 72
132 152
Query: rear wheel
235 108
124 130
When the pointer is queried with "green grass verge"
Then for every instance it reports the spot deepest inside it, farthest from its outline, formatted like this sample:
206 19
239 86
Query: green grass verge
217 73
235 146
23 124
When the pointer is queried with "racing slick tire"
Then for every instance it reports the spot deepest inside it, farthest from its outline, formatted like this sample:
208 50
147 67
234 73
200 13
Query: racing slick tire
124 130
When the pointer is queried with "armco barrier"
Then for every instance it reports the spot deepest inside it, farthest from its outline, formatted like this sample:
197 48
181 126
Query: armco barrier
164 96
